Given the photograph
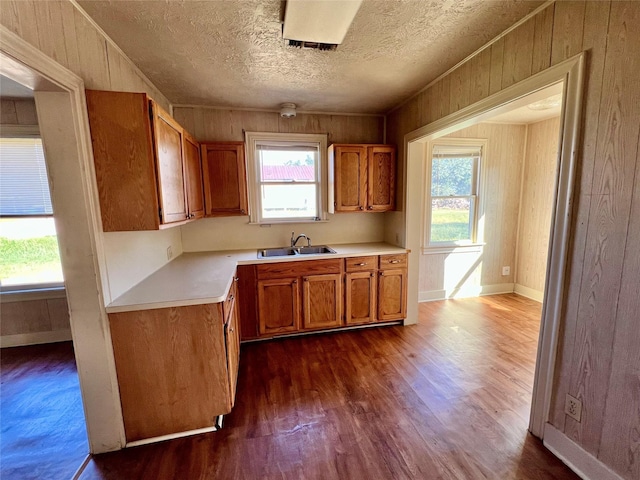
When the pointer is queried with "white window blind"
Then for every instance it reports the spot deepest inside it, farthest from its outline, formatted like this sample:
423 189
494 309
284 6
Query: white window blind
24 187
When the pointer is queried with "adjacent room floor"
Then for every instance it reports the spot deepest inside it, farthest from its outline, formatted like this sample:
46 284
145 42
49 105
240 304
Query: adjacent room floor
447 398
43 433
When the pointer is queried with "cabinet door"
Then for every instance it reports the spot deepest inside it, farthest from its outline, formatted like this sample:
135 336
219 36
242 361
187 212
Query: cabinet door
322 301
350 178
169 165
278 306
381 178
193 171
225 183
233 349
392 295
360 297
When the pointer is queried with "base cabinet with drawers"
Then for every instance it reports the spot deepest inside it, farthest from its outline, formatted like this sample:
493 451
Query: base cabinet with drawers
300 296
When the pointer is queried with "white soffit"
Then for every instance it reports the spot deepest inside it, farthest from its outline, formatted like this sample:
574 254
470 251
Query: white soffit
322 21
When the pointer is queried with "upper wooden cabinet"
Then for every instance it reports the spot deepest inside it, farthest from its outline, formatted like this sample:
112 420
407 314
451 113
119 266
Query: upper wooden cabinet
362 178
146 173
193 172
225 179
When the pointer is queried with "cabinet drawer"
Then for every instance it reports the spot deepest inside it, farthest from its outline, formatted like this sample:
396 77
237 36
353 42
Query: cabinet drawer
393 261
359 264
298 269
229 301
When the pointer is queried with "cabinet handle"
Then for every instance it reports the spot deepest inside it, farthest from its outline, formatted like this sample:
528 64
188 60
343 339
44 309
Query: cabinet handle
369 207
306 279
359 264
360 208
394 261
231 330
382 274
236 279
231 298
295 281
373 274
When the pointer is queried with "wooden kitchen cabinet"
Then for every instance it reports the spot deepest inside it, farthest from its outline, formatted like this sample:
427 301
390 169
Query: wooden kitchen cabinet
392 287
142 176
278 306
322 301
280 286
362 178
172 368
360 289
232 337
225 179
193 172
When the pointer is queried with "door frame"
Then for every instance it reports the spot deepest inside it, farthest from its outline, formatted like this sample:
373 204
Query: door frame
64 128
571 72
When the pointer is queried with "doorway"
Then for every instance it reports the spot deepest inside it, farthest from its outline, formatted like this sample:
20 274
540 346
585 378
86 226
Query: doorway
570 73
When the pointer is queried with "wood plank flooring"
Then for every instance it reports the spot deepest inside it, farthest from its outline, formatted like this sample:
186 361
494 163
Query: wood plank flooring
43 433
448 398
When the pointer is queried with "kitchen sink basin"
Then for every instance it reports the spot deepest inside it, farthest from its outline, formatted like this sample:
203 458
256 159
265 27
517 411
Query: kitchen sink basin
288 251
315 250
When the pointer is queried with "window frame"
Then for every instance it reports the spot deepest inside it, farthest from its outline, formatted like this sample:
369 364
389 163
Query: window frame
477 200
252 140
29 291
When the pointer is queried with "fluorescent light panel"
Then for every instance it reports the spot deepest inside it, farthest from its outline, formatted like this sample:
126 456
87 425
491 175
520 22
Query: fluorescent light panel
322 21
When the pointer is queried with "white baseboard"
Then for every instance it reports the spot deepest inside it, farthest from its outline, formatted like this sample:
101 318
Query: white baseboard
35 338
531 293
585 465
465 292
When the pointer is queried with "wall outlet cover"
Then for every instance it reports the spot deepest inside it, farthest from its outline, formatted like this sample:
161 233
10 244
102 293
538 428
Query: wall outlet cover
573 407
506 271
169 253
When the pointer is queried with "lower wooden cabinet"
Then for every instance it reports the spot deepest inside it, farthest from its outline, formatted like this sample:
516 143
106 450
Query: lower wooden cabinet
172 369
322 301
392 294
278 306
360 297
300 296
232 337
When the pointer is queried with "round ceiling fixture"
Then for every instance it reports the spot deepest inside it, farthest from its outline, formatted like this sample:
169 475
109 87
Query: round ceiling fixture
288 110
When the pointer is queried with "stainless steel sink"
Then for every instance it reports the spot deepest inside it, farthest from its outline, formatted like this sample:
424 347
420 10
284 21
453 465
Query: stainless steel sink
276 252
315 250
288 251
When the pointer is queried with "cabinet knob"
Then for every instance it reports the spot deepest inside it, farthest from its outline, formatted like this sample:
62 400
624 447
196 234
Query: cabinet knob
369 207
295 281
360 208
243 211
236 279
372 274
231 298
306 279
382 274
359 264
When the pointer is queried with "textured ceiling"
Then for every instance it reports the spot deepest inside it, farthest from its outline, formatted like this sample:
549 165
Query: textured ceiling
231 52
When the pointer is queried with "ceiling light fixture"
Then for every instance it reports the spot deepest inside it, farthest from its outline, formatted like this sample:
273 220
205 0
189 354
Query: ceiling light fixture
550 102
318 22
288 110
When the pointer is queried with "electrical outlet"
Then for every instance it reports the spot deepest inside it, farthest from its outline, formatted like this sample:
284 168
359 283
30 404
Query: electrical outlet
506 271
169 253
573 407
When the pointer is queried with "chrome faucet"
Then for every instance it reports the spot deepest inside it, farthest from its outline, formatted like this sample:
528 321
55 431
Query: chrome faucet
302 235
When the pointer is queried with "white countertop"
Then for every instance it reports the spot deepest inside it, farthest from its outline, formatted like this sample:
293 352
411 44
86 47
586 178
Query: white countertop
205 277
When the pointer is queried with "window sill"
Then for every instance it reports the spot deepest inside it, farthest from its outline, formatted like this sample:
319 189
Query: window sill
438 250
32 293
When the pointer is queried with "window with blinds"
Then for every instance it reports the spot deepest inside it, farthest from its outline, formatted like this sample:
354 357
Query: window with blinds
29 254
288 178
454 193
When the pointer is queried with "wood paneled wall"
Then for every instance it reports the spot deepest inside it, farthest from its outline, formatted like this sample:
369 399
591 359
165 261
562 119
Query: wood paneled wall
62 31
497 215
213 124
41 320
18 111
598 357
536 203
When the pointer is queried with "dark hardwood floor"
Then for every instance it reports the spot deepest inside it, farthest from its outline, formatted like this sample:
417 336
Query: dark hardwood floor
448 398
43 433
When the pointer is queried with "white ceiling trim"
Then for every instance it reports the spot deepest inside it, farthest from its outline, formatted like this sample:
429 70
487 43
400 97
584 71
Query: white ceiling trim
469 57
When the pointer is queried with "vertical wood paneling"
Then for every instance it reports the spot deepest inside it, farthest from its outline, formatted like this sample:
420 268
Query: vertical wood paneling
495 76
567 30
609 219
92 53
542 35
518 54
17 111
536 205
210 124
620 443
444 98
48 19
480 76
459 88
